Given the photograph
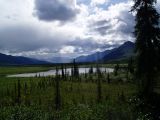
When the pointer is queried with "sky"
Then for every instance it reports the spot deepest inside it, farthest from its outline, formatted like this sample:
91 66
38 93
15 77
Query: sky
45 29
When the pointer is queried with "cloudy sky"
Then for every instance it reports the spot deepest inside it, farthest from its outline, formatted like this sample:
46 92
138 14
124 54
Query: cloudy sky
48 28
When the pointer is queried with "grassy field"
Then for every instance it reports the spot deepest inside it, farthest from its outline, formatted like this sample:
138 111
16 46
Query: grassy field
23 69
6 70
34 98
71 91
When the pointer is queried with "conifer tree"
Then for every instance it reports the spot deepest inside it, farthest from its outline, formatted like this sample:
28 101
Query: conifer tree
108 78
131 66
62 68
116 68
25 88
19 92
57 92
57 71
65 72
99 90
75 69
99 87
147 50
91 70
98 71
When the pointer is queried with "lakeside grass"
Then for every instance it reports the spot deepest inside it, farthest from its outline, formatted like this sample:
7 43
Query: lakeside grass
8 70
79 101
78 97
69 90
22 69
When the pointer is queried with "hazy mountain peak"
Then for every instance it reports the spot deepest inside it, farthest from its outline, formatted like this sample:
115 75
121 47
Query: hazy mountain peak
123 51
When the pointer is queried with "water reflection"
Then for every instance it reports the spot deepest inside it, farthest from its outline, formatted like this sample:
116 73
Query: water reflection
53 72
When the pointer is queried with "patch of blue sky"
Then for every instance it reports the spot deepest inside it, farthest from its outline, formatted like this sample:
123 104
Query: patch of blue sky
86 2
103 6
117 1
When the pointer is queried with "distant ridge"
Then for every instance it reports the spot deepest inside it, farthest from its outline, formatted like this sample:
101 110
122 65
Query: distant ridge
124 51
93 57
18 60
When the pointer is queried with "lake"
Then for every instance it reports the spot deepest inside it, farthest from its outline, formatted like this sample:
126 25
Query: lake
53 72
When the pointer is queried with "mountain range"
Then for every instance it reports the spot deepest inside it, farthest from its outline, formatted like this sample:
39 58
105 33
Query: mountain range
124 51
18 60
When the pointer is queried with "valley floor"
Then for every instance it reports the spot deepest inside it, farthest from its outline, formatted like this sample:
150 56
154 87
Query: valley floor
79 98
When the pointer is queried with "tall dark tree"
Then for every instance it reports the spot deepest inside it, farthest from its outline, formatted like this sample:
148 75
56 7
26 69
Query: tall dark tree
116 68
62 69
19 92
25 88
147 50
99 86
75 69
108 78
57 71
57 93
91 70
98 71
99 90
131 66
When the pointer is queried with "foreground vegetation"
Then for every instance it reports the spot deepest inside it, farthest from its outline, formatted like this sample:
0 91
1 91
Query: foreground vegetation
92 96
89 96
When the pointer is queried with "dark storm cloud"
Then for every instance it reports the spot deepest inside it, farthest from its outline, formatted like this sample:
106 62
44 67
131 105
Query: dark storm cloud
103 29
128 22
24 38
89 44
100 26
50 10
100 22
85 44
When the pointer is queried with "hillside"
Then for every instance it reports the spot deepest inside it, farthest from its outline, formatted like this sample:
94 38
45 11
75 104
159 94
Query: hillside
93 57
18 60
122 52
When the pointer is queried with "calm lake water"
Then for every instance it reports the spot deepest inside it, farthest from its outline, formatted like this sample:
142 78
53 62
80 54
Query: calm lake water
53 72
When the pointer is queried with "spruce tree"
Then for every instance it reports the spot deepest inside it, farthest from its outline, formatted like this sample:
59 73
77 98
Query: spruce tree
108 78
75 69
19 92
116 68
130 66
99 90
62 68
57 93
147 50
25 88
99 87
91 70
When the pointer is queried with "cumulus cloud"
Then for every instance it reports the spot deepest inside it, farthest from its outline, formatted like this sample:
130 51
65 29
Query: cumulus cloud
85 45
98 2
95 27
100 26
116 24
60 10
67 49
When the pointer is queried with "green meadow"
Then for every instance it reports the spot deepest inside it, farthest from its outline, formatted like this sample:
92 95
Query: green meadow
88 96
